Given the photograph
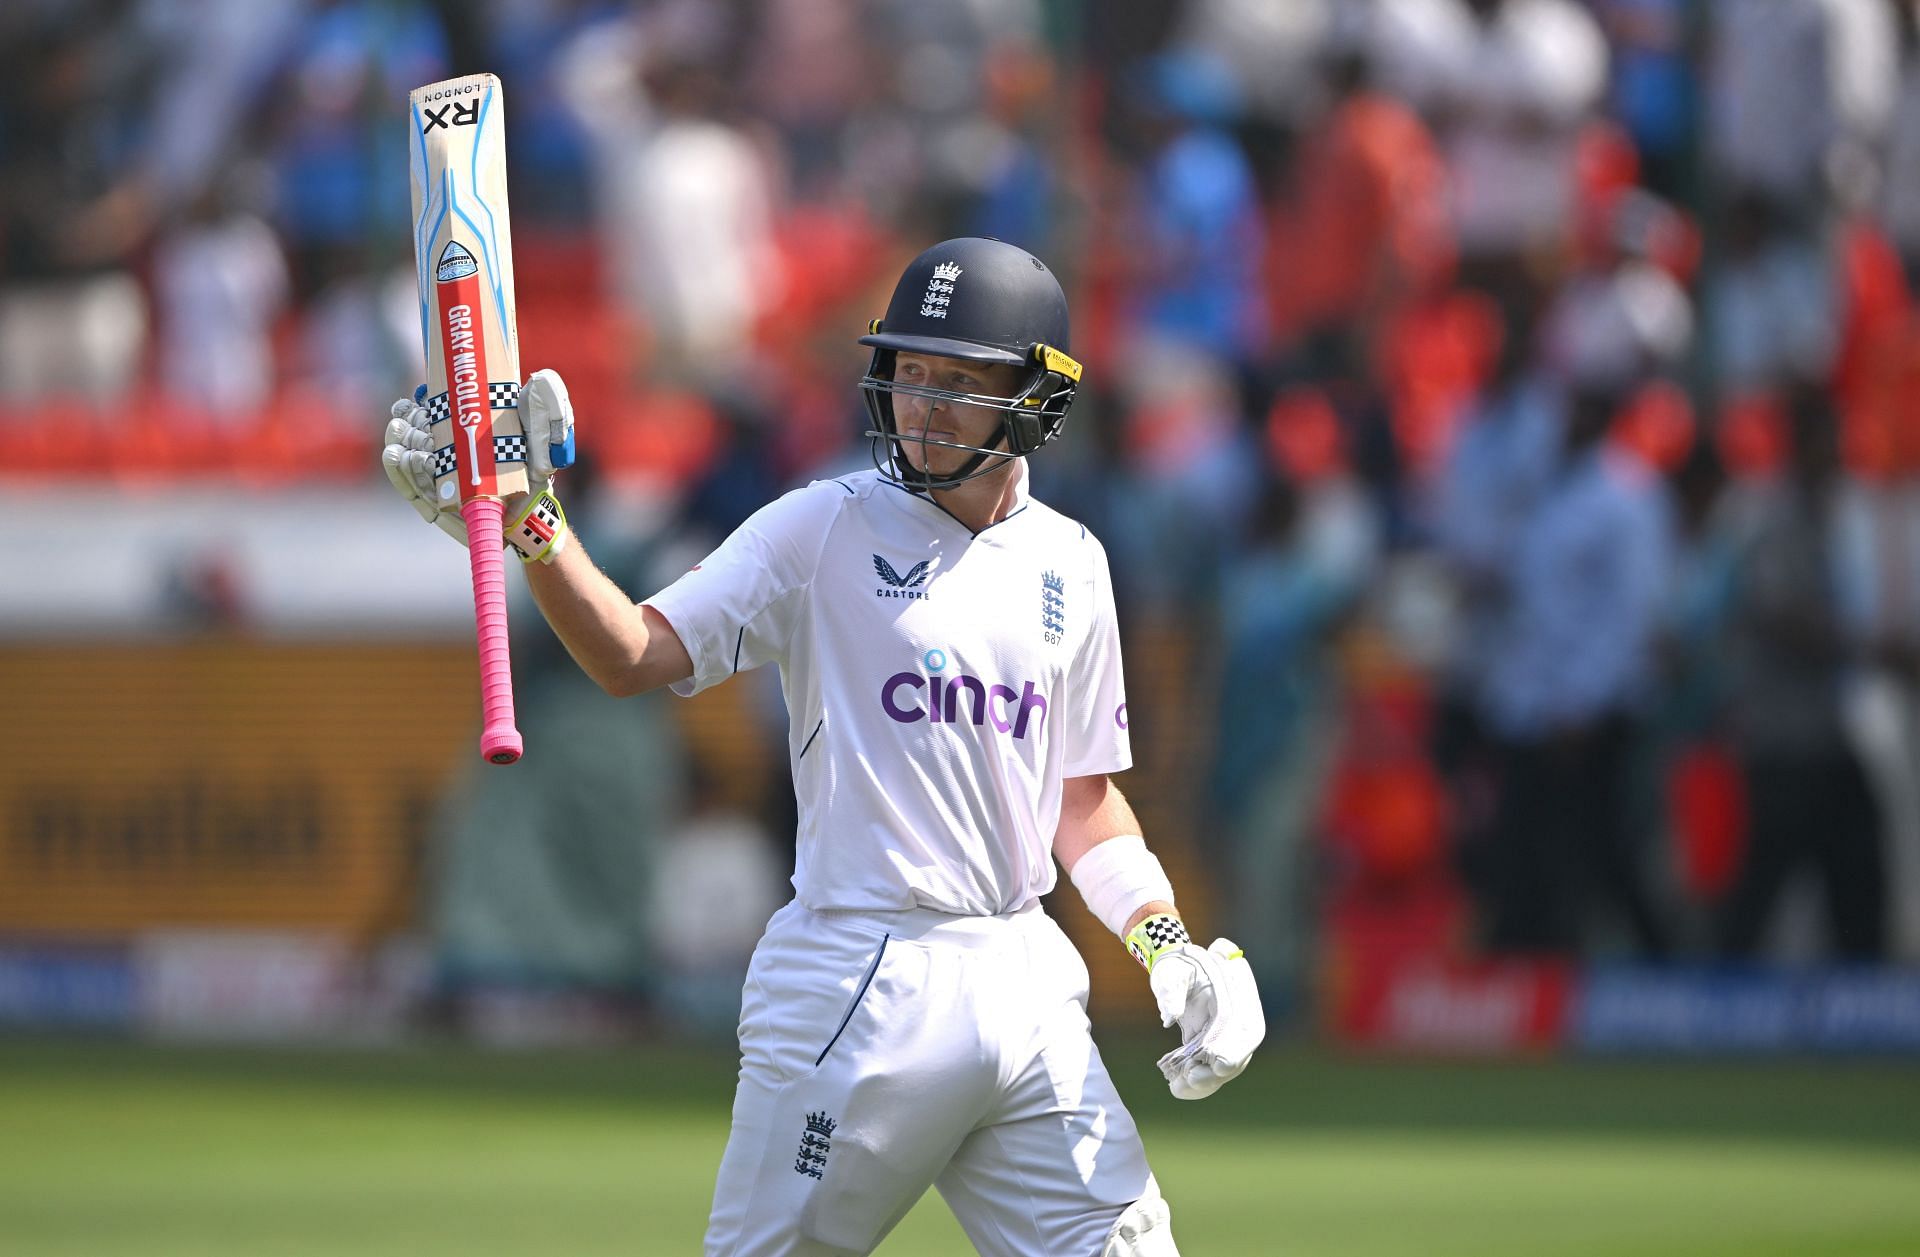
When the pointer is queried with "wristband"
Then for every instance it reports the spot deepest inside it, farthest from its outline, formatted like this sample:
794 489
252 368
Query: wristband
540 530
1158 934
1119 877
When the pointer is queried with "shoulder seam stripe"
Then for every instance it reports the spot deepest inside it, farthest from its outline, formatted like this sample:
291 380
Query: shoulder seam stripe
738 642
849 488
996 523
810 738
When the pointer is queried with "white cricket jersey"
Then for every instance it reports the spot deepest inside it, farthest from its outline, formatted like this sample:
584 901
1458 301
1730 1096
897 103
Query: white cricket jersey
939 685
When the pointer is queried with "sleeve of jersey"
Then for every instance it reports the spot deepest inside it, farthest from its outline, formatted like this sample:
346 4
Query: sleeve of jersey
737 608
1095 724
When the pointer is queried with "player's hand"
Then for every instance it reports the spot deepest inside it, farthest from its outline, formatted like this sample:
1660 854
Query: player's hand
408 461
546 416
1211 993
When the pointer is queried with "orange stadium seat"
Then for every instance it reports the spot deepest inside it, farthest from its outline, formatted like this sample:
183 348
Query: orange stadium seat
59 438
663 436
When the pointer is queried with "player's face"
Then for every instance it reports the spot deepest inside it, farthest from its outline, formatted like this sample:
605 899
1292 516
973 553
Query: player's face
937 419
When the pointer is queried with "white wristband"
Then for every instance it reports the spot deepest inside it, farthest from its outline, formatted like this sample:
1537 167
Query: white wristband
1119 877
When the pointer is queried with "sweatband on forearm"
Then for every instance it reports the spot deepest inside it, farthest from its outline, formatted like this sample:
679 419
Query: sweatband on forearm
540 530
1119 877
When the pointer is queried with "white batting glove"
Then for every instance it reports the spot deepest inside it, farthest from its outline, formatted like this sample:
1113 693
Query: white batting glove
546 416
408 461
1211 993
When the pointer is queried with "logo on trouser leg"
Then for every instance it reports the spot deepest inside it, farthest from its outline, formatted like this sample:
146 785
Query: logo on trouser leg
814 1146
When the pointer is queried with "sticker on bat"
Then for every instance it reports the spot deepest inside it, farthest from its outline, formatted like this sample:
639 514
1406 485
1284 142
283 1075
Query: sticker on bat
455 263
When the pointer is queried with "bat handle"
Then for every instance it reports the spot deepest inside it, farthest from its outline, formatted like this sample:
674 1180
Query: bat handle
499 740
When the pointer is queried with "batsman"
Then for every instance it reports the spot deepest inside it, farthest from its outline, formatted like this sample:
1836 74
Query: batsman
950 659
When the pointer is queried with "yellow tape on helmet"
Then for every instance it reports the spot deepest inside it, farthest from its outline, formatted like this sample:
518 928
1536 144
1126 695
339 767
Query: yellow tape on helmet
1053 360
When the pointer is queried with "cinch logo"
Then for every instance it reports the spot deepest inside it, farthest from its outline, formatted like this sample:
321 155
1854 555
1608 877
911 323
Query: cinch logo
909 697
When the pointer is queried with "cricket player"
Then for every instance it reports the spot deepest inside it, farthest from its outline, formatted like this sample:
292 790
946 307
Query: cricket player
951 666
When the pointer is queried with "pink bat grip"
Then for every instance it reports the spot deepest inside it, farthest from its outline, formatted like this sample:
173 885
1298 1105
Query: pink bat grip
499 740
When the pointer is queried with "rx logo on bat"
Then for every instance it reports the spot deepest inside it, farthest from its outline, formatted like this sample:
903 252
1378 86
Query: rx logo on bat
464 114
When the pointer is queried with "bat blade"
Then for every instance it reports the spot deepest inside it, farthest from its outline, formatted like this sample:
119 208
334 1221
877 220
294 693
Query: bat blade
463 258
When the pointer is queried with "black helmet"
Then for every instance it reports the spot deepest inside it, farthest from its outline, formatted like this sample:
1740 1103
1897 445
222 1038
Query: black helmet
984 301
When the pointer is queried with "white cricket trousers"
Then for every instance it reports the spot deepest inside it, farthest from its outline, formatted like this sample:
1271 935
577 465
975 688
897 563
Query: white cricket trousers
886 1052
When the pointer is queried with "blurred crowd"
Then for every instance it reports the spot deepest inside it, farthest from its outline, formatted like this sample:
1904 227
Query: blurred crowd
1500 412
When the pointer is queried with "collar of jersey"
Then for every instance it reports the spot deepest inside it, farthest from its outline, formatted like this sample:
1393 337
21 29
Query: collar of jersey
1020 499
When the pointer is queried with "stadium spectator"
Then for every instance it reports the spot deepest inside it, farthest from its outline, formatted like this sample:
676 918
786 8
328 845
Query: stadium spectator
957 77
552 159
1196 256
1772 302
333 164
73 318
1013 192
1363 224
1309 551
1271 49
1653 92
1572 655
1803 596
1797 91
804 72
684 198
1189 477
1618 316
219 283
1510 84
717 878
1900 205
1502 464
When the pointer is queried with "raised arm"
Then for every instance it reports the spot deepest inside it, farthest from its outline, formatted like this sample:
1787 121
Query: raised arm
627 648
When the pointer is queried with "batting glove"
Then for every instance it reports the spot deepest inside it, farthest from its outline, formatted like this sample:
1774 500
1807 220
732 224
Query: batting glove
537 528
1211 994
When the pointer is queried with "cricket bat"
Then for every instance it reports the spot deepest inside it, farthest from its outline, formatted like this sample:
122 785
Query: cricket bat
463 257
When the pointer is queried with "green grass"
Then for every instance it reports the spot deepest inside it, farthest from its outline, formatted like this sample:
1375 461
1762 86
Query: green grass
108 1149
